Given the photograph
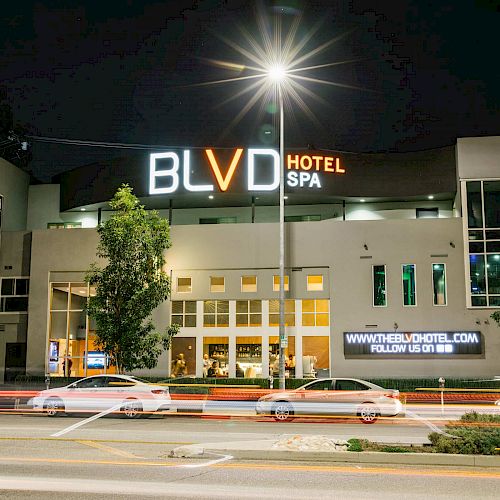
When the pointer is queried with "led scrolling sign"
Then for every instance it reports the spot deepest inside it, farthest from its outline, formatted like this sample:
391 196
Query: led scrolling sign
303 171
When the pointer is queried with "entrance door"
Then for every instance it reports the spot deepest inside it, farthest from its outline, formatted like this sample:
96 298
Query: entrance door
15 360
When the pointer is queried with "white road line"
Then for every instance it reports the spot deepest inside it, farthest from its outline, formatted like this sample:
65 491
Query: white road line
87 420
224 458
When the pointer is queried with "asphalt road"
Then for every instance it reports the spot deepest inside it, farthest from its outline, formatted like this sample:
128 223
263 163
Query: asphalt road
122 458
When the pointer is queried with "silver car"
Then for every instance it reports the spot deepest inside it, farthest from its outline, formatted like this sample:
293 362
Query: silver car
128 395
332 396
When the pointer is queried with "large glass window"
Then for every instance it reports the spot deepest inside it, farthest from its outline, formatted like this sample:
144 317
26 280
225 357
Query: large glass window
493 271
216 313
14 294
215 356
492 203
274 312
409 285
477 276
72 350
439 284
379 294
474 204
274 356
249 357
315 312
184 313
315 356
248 313
183 356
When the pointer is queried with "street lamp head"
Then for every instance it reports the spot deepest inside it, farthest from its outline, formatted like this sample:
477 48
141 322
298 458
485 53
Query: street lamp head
276 73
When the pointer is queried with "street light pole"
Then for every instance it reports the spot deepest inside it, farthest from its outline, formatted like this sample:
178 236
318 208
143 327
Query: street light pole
282 333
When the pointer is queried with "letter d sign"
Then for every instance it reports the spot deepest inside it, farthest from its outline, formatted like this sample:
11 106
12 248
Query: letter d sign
252 153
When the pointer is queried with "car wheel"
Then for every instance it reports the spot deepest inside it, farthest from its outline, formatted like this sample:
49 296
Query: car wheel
54 407
282 411
368 413
132 409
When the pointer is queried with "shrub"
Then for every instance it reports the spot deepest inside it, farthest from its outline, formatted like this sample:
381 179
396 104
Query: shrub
394 449
354 445
473 435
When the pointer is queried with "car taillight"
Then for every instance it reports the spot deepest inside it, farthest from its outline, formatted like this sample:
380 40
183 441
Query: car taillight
394 395
159 391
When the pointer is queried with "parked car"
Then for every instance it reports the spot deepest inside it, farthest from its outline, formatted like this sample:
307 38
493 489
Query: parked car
126 394
333 396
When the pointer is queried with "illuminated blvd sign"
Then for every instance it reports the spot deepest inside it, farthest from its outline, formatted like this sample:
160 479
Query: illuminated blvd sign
404 344
169 171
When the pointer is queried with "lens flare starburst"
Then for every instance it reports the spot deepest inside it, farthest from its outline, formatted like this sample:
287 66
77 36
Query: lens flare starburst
274 62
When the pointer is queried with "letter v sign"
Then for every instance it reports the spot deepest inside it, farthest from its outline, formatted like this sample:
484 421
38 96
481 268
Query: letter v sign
224 181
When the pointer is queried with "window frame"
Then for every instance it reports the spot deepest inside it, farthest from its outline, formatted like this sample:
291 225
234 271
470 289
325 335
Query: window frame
248 314
249 276
14 295
286 283
315 313
216 314
212 285
315 289
445 284
373 284
184 313
403 286
182 278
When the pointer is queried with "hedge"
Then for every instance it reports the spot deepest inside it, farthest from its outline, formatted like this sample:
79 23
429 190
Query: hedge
473 435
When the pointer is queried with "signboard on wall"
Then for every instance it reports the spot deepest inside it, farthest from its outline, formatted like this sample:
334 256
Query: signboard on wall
409 344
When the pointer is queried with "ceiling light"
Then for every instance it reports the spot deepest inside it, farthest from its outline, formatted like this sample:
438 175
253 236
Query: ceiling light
210 196
83 209
362 200
431 197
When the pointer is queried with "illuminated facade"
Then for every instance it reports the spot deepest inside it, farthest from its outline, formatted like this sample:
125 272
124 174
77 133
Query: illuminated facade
392 262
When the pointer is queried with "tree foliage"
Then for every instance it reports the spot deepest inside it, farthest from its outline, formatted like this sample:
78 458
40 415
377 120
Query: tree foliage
131 285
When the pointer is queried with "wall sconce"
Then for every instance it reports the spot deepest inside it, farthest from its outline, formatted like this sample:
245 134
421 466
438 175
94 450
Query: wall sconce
486 321
396 326
452 245
365 246
478 321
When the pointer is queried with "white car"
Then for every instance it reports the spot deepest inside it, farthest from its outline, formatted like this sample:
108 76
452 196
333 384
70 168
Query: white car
128 395
332 396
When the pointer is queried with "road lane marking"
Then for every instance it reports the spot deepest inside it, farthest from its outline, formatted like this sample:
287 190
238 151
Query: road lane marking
126 441
357 469
87 420
108 449
224 458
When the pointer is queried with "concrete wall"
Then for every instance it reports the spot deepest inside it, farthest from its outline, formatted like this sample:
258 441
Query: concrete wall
478 157
335 246
14 189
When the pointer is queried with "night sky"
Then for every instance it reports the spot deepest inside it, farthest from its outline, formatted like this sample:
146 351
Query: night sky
123 72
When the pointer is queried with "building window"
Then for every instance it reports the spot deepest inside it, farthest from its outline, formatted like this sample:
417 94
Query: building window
184 285
409 286
314 282
249 283
72 350
483 226
217 284
14 294
216 313
249 357
215 356
315 312
427 213
184 313
439 284
379 292
302 218
218 220
248 313
274 312
64 225
276 283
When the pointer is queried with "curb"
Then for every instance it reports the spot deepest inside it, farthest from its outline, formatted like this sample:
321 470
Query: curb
366 457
